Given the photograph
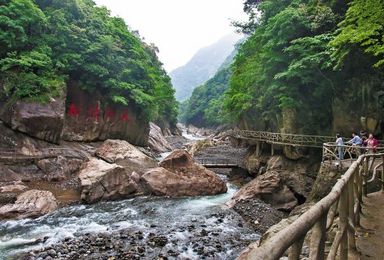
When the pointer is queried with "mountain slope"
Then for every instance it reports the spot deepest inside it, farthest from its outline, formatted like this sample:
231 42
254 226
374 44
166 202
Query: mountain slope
204 107
202 66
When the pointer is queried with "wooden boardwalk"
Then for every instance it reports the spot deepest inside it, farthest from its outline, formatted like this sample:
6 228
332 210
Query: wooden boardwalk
345 224
315 141
370 238
327 143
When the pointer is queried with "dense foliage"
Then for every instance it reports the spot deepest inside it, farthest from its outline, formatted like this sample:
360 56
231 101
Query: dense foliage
47 44
300 57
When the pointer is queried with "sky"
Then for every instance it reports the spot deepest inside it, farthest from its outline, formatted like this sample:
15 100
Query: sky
179 28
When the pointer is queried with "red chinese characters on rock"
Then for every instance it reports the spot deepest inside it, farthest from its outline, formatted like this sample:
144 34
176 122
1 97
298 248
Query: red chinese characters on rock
110 113
124 116
94 112
73 110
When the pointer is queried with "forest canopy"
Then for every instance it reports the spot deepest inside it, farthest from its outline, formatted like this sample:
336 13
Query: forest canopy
46 44
300 57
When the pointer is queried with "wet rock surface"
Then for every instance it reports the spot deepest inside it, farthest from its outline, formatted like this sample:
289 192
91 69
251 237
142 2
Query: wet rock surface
104 181
30 204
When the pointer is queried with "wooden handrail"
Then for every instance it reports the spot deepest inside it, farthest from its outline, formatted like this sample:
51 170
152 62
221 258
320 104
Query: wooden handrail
282 138
347 192
330 151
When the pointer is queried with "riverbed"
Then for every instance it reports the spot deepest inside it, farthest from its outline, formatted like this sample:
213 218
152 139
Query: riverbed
140 228
192 228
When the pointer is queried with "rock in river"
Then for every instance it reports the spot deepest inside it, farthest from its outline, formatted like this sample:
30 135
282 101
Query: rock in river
123 153
105 181
156 140
30 204
270 189
178 175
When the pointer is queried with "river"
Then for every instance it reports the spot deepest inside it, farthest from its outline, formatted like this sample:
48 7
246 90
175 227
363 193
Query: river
189 224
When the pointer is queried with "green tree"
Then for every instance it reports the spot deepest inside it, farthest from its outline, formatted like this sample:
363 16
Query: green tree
362 27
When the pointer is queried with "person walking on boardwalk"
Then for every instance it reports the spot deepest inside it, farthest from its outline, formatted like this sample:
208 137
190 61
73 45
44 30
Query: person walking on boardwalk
356 141
340 148
372 144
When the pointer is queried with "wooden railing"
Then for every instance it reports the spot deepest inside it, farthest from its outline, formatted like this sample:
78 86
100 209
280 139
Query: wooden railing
344 201
283 139
331 153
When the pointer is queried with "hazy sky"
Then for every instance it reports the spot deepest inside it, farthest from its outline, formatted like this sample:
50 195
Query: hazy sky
178 27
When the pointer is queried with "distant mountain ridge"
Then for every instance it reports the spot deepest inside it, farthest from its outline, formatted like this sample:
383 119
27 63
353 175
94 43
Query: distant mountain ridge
204 107
203 65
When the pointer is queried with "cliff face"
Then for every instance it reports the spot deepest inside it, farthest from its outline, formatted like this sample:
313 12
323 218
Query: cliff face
360 109
76 116
90 118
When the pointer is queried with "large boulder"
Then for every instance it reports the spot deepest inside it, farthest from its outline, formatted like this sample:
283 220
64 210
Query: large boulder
178 175
41 120
124 154
30 204
104 181
156 140
60 168
285 183
269 188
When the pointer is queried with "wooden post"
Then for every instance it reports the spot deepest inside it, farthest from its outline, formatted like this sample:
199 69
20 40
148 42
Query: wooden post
318 238
351 215
357 198
257 148
364 175
382 174
295 250
272 150
343 219
360 185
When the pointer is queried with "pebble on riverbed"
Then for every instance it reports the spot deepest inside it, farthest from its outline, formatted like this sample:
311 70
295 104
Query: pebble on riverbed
258 214
205 241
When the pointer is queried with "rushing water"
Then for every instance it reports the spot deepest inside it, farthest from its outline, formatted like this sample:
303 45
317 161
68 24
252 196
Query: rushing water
148 214
171 217
192 137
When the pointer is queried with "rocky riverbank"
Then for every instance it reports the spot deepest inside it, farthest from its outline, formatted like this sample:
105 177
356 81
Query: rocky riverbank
209 232
198 240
